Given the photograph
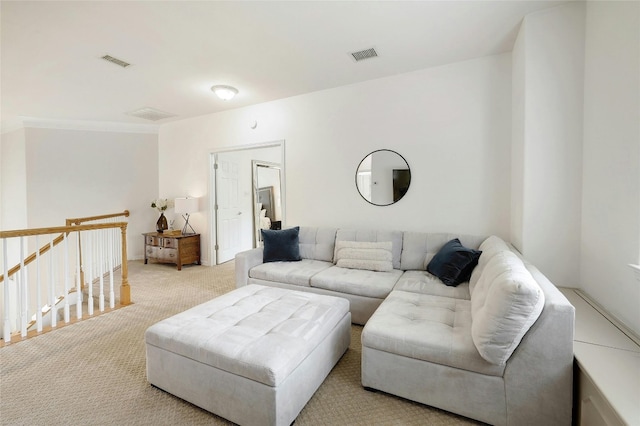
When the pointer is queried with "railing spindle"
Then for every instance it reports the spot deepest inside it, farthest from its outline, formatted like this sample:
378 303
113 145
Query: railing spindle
23 292
53 308
89 245
101 248
18 303
6 330
96 253
112 296
66 279
78 280
117 248
38 290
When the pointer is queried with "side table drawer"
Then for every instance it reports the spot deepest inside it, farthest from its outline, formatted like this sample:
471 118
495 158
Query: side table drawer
153 252
169 254
162 253
170 243
152 241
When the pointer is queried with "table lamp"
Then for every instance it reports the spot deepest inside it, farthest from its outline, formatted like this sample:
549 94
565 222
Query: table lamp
186 206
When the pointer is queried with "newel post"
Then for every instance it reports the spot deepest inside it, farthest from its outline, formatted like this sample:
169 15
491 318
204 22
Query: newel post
125 289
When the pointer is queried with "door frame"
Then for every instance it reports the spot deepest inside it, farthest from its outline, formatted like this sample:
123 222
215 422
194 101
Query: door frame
213 156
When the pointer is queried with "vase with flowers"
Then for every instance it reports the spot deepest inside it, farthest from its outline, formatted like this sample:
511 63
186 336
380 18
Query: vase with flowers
161 204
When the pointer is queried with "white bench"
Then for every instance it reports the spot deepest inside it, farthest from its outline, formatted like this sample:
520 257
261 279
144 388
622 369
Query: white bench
608 364
254 356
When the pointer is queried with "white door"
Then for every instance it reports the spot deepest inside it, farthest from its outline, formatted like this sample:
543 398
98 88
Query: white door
229 215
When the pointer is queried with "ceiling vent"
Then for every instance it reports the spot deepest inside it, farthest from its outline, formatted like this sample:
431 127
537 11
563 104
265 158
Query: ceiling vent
150 114
364 54
116 61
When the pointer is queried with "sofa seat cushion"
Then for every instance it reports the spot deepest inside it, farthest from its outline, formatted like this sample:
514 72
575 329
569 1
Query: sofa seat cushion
261 333
297 273
359 282
423 282
428 328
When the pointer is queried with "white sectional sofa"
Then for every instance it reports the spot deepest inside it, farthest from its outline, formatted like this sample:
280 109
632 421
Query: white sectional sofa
498 348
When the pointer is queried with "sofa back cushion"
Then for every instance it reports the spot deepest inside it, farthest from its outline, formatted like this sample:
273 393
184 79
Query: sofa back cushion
364 255
317 243
375 236
489 248
418 248
505 303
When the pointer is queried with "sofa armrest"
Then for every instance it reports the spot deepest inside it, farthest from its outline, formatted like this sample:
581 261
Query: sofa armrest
539 375
244 262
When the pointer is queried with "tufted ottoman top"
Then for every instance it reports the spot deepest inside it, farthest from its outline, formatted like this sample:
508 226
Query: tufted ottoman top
261 333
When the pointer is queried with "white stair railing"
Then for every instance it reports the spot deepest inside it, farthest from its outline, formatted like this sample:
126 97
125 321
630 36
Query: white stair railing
54 273
103 249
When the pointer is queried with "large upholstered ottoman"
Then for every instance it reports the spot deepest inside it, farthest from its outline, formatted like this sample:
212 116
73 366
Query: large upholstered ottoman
254 356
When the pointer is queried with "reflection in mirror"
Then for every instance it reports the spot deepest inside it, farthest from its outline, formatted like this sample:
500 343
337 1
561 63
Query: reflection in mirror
383 177
267 198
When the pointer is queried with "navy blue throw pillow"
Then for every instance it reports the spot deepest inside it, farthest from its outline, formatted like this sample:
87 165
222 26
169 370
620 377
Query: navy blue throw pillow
454 263
283 245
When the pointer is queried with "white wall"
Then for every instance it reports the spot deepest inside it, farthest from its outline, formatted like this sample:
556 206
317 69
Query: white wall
451 123
76 173
611 168
548 99
13 196
1 188
518 67
13 171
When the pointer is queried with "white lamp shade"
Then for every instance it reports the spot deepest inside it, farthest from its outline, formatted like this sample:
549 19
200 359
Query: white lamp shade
186 205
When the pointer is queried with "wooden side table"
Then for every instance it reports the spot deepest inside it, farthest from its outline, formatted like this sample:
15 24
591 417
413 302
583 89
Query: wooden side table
178 249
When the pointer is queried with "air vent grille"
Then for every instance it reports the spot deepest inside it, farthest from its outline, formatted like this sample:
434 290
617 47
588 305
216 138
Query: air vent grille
364 54
150 114
116 61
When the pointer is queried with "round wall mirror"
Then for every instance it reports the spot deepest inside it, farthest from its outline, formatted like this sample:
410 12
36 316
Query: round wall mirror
383 177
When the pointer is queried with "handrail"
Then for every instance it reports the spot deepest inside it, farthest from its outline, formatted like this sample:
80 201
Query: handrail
79 220
62 229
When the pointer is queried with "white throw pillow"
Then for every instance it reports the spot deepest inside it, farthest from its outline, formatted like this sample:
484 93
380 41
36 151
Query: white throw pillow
504 305
373 256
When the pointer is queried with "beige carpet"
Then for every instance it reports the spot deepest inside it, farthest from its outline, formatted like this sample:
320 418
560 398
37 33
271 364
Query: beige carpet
93 372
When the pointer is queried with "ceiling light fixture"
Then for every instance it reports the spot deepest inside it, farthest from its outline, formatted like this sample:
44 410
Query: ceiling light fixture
225 93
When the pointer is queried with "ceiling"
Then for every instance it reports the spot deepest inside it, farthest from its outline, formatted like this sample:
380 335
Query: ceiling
51 66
